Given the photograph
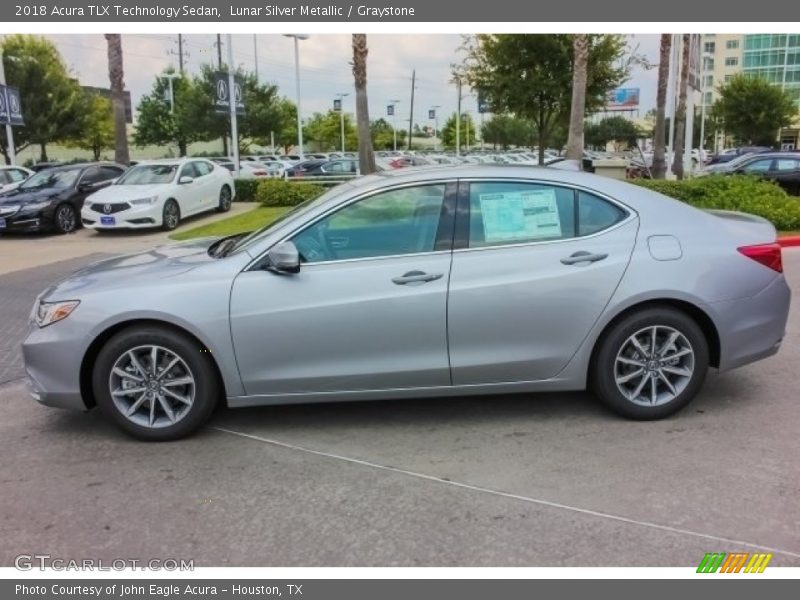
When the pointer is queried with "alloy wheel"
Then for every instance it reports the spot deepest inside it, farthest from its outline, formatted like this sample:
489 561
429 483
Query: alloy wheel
65 218
654 365
152 386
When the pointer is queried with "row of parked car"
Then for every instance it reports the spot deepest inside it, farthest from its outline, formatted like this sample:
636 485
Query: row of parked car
105 195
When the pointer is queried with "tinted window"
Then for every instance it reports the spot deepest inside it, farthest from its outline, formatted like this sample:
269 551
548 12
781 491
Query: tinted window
403 221
189 171
147 174
92 175
758 166
787 164
596 214
50 178
515 213
17 175
107 173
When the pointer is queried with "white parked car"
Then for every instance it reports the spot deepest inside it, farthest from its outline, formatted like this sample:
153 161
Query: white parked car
160 194
11 177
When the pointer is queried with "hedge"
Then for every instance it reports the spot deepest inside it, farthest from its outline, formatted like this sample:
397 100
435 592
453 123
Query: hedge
734 192
279 192
245 190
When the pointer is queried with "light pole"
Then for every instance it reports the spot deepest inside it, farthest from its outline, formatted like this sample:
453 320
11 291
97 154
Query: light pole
341 95
232 104
436 120
706 56
297 37
171 77
394 121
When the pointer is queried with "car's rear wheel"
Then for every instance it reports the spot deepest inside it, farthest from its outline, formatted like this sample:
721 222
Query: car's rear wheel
224 199
650 364
65 219
155 383
171 215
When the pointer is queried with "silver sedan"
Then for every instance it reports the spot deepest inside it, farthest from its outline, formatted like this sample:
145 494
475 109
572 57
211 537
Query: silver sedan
436 282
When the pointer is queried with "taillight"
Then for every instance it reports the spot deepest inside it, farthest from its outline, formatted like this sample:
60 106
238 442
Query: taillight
768 255
260 173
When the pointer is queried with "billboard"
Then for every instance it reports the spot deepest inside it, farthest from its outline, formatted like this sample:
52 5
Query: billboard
623 99
10 106
390 110
337 105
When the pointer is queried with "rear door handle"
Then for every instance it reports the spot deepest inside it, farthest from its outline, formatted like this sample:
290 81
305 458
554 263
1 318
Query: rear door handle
582 257
416 277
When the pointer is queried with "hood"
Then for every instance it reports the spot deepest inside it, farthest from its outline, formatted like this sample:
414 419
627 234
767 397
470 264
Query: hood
133 270
125 193
19 196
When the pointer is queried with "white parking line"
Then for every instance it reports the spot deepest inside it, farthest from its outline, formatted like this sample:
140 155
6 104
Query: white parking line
539 501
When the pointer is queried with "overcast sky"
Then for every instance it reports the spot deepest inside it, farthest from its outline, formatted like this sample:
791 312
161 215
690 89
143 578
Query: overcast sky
324 67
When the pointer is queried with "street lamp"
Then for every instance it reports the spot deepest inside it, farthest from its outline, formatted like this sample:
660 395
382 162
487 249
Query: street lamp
341 95
706 57
435 120
394 121
297 37
171 77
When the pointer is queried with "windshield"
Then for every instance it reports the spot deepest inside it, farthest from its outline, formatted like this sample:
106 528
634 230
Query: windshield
260 234
60 180
148 174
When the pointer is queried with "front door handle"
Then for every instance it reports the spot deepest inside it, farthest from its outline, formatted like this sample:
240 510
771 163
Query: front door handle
416 277
582 257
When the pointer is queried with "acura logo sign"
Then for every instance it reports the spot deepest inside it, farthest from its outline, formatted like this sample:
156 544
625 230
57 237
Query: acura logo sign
107 208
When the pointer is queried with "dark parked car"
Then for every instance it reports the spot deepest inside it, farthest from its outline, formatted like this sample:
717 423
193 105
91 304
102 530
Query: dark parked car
781 167
51 200
730 155
45 165
304 168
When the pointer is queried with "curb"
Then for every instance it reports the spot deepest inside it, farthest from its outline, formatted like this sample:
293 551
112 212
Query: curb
789 241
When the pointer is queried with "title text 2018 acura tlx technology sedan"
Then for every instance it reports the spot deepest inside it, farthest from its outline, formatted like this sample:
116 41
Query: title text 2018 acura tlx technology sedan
443 281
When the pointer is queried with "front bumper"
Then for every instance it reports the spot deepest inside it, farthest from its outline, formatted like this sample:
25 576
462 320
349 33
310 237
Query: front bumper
137 217
28 222
52 357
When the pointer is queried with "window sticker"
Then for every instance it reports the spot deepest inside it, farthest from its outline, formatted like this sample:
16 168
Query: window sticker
511 216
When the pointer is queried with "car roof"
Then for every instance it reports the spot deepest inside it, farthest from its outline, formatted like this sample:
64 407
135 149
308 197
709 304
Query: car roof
83 165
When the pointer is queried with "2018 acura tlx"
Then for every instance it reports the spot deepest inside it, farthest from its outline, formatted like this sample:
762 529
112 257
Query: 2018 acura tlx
436 282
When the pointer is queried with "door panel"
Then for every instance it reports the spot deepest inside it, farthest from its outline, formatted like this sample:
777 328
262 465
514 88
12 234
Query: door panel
520 312
342 326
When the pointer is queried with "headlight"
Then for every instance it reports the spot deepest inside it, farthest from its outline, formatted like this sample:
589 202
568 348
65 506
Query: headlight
48 313
141 201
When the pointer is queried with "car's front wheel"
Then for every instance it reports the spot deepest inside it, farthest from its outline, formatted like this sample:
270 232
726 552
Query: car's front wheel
650 364
171 215
65 219
224 199
155 383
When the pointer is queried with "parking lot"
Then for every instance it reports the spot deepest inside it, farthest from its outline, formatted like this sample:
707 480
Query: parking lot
545 480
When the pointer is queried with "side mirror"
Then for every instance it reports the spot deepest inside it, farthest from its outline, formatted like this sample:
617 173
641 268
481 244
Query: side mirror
284 258
185 179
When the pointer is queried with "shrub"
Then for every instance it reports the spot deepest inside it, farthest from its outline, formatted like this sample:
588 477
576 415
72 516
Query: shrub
279 192
245 190
734 192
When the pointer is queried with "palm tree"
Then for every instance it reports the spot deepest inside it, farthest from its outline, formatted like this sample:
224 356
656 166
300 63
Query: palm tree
118 97
580 51
659 135
366 157
680 113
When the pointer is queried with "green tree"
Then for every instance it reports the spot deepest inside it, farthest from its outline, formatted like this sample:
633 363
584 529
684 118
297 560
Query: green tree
612 129
97 127
52 101
286 130
530 75
325 129
507 130
382 134
752 110
161 125
448 132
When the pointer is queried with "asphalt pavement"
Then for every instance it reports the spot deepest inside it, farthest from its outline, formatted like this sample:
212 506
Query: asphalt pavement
524 480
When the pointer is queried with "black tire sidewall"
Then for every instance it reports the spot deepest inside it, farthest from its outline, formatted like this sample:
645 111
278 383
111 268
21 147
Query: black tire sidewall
207 389
164 225
602 380
221 207
57 225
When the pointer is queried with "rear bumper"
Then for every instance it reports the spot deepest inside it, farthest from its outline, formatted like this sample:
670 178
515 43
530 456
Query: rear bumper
752 328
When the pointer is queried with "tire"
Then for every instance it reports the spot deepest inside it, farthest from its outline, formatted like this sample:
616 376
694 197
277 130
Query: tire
174 403
65 219
677 380
224 199
171 215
